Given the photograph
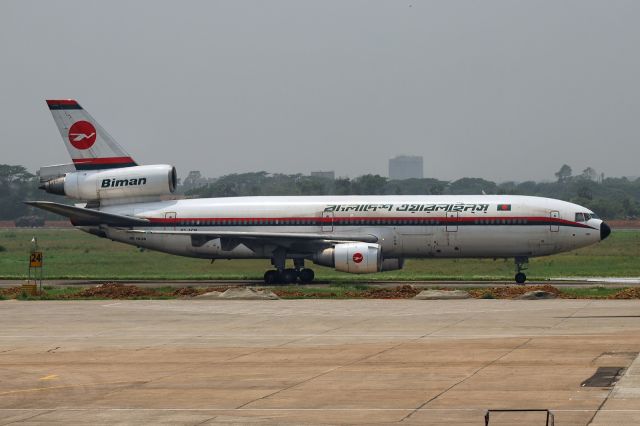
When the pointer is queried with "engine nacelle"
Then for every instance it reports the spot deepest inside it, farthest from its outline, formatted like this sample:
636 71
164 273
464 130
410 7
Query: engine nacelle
355 258
138 181
392 264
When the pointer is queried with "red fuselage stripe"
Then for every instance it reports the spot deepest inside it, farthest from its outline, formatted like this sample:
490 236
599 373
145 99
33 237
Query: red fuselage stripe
496 220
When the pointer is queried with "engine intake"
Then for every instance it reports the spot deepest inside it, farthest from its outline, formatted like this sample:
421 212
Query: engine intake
138 181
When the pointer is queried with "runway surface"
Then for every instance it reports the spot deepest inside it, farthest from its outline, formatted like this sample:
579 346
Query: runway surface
316 361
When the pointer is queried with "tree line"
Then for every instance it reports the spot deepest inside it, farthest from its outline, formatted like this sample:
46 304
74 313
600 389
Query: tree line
610 197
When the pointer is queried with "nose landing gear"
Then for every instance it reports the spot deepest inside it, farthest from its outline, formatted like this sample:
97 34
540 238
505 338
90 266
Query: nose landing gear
522 264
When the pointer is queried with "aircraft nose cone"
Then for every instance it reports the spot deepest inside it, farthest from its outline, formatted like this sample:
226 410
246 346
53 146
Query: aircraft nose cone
605 230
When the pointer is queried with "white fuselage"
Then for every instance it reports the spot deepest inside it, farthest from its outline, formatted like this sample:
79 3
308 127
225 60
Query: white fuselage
411 226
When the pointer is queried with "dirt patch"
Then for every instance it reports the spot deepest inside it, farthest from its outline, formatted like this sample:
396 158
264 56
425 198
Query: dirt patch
399 292
115 291
512 291
627 293
297 294
187 292
11 292
197 291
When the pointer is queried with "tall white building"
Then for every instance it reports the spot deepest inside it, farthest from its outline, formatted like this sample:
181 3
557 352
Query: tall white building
406 167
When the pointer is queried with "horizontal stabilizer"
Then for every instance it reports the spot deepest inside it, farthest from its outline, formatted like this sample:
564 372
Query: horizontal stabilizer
47 173
80 216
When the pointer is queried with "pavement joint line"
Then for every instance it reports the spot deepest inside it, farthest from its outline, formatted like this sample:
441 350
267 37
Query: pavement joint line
353 362
467 378
330 370
29 418
206 421
566 318
597 410
189 368
323 334
429 335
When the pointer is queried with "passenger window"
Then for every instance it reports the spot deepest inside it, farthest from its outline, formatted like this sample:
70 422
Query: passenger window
579 217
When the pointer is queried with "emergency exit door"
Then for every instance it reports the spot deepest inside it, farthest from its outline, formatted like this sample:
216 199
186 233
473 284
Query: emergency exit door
452 221
553 225
170 223
327 221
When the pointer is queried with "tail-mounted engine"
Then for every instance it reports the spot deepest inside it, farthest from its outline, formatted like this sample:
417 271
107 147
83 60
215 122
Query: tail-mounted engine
137 181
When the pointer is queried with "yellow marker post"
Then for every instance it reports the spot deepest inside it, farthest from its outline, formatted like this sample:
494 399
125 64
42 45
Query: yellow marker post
36 261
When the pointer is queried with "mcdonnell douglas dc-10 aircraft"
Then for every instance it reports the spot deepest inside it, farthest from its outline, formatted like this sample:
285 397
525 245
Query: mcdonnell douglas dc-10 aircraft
129 203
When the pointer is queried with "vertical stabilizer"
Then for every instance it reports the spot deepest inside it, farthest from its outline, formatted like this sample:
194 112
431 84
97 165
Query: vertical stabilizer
90 146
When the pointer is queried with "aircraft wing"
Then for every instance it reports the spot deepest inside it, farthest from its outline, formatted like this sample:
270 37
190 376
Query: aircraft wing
285 239
80 216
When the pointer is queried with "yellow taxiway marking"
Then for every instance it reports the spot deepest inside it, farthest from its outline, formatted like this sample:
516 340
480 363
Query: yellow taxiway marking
49 377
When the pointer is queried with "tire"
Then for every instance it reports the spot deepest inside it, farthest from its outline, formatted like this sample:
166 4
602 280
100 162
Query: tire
271 277
289 276
306 275
521 278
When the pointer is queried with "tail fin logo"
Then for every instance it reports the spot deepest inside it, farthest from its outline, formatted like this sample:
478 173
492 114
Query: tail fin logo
82 135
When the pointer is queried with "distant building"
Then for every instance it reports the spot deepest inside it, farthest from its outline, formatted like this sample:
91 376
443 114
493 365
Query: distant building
324 175
406 167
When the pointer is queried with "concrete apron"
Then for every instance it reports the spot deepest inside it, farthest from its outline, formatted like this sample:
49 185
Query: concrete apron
622 407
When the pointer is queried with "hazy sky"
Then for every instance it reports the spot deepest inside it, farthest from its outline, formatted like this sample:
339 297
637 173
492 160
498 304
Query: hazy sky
505 90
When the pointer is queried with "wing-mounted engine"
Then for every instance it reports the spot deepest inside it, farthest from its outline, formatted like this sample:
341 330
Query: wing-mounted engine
126 182
355 258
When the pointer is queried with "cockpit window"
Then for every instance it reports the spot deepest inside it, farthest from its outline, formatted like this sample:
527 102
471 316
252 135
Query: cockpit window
587 216
594 216
579 217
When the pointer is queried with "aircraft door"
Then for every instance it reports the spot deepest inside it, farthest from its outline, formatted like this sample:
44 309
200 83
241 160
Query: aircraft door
170 224
553 226
327 221
452 221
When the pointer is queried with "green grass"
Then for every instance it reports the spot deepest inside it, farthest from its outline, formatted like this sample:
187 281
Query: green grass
590 293
72 254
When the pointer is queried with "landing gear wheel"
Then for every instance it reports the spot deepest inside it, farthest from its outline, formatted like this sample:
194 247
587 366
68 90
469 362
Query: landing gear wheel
289 276
306 275
522 263
271 277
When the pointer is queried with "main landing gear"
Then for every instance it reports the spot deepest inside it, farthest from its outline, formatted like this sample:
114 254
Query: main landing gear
282 275
522 263
289 276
